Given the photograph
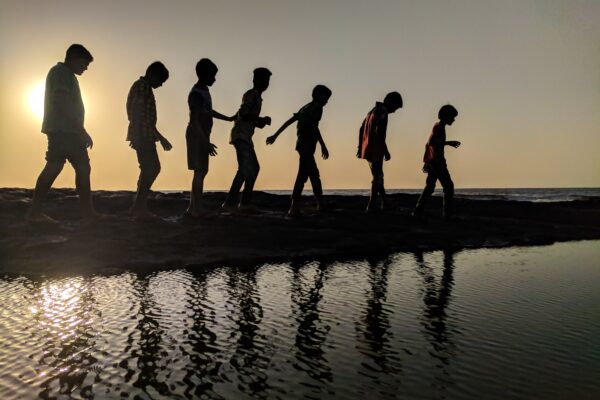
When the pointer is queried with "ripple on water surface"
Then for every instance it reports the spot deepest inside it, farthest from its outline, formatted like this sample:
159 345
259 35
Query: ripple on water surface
516 322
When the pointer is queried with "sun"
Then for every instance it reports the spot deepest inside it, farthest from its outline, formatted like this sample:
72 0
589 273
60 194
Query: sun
35 100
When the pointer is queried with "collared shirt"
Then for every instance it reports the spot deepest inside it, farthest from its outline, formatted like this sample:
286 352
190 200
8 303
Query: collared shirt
141 112
372 133
308 126
67 117
434 149
245 121
200 100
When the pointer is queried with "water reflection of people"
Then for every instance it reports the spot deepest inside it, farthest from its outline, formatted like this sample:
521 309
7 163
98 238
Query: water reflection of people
148 352
375 335
436 297
311 333
249 359
64 307
203 369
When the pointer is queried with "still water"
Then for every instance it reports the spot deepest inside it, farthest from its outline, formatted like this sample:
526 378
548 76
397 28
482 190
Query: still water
490 323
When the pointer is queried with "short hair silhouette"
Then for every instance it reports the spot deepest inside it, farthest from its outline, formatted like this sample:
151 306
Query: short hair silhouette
447 111
205 67
321 91
393 99
78 51
261 73
159 70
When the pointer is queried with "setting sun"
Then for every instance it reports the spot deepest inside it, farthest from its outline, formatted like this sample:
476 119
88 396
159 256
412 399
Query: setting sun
35 100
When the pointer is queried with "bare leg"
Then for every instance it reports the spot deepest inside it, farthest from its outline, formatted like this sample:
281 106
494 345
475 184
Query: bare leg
195 207
42 186
82 184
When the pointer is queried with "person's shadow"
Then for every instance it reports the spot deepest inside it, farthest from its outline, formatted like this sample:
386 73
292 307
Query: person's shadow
434 320
311 333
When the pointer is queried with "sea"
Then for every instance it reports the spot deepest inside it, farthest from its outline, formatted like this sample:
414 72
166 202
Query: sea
511 194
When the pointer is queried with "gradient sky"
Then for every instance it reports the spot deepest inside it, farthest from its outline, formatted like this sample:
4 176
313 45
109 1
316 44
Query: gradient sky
523 74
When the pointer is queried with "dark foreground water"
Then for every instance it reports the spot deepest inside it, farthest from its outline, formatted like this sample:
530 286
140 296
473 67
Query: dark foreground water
494 324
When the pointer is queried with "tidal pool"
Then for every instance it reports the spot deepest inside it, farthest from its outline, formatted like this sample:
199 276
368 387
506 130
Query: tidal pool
519 323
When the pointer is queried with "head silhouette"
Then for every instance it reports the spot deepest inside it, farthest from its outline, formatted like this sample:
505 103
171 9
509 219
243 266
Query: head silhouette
78 58
206 71
393 101
321 94
447 114
262 77
157 74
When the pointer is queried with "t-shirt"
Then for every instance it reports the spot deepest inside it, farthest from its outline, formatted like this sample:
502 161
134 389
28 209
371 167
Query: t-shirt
67 117
308 127
200 100
371 140
245 121
141 112
434 149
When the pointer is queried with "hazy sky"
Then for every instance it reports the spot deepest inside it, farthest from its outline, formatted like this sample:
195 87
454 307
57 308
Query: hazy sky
524 76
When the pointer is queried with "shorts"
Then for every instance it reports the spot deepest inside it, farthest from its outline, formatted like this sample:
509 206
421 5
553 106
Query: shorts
67 146
197 154
148 157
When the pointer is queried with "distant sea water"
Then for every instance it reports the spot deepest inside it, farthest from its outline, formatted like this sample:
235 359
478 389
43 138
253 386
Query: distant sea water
521 194
536 195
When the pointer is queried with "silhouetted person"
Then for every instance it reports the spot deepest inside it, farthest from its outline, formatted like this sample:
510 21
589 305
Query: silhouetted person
247 119
372 146
435 162
197 135
308 118
67 138
142 134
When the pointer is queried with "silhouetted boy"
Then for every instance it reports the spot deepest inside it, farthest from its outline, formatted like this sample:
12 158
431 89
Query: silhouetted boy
308 118
142 134
435 162
67 138
247 119
197 135
372 146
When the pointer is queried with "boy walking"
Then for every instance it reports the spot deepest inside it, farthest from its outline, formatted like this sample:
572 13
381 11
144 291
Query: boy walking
372 146
308 118
142 134
246 120
197 135
67 138
435 162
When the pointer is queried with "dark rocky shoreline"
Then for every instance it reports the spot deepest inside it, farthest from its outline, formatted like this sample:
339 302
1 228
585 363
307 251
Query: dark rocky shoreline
343 232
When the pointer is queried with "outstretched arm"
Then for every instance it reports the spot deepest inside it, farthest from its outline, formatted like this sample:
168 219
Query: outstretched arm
218 115
453 143
271 139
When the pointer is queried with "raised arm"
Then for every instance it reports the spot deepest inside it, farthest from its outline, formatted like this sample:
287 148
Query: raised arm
271 139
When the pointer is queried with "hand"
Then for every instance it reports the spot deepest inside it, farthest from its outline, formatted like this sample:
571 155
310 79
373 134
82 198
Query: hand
387 156
87 139
212 150
271 139
267 120
454 143
324 153
166 145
